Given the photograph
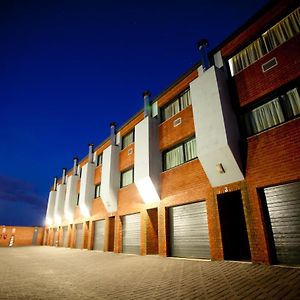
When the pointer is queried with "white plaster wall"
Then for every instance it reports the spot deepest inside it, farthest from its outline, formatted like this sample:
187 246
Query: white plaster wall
110 178
216 127
87 188
50 206
147 160
71 195
60 201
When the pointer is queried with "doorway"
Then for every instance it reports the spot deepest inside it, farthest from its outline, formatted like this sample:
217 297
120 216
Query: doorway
233 227
111 233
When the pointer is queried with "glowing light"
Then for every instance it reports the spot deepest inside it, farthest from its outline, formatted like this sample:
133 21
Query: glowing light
84 210
48 221
147 190
69 216
57 219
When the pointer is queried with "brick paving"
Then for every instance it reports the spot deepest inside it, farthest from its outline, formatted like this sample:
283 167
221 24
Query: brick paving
60 273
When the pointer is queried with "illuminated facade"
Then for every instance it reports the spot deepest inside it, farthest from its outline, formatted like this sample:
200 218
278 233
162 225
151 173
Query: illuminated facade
209 168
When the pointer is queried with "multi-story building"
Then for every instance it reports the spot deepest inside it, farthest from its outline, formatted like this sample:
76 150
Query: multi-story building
210 168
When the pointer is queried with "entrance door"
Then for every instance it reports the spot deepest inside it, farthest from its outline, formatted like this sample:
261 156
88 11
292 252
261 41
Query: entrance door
131 233
233 226
189 231
79 231
99 235
283 205
65 236
111 233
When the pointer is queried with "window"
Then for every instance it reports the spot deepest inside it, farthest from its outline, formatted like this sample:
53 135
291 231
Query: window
272 38
127 177
180 154
180 103
99 159
77 202
80 172
97 190
276 111
128 139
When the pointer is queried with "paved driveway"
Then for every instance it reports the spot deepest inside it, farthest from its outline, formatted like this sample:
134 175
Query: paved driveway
60 273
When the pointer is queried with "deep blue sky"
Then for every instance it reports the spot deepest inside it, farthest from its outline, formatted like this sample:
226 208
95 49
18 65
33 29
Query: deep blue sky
69 68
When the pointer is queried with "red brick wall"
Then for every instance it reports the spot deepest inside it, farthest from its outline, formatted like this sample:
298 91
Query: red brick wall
170 135
252 83
273 158
275 13
151 226
22 237
98 173
126 159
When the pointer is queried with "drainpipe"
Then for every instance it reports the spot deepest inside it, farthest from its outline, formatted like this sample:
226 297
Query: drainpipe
91 152
147 106
202 47
55 184
75 165
63 179
112 126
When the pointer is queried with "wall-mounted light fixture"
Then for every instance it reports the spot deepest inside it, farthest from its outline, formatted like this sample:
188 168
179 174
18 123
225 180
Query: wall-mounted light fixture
220 168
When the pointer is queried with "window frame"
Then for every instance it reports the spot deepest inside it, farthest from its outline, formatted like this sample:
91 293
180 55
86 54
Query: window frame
96 191
177 98
181 144
126 135
121 177
99 159
279 93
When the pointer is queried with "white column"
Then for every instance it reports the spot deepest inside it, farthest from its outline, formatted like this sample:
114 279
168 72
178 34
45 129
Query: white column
71 197
147 160
110 178
59 203
217 133
87 189
50 208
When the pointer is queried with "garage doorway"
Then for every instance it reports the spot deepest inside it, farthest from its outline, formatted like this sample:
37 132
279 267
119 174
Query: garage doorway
281 206
111 234
233 227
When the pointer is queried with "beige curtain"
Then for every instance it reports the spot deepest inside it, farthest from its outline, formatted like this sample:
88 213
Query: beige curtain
190 149
292 100
185 99
266 116
174 157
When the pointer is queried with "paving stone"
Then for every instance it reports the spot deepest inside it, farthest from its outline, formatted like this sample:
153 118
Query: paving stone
62 273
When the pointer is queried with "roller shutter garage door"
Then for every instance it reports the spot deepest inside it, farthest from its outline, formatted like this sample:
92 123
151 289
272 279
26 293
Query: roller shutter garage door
79 236
54 237
189 231
99 235
131 233
283 203
65 236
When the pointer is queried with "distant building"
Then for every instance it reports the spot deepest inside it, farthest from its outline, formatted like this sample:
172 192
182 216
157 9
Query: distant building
210 168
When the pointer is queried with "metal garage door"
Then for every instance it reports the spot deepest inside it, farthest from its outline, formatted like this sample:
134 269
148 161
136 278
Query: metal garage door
189 231
131 233
99 235
79 236
283 204
65 236
54 237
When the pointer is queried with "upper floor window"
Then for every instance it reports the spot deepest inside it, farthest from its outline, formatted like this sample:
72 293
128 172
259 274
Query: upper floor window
180 154
99 159
180 103
97 190
127 139
272 38
276 111
127 177
77 200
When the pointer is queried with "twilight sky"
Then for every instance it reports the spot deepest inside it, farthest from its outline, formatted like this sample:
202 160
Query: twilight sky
69 68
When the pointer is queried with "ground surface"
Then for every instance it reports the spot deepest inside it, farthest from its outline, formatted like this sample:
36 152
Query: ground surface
60 273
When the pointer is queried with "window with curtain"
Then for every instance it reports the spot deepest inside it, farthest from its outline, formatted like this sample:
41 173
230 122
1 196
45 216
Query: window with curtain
97 190
77 201
276 111
282 31
180 103
127 139
127 177
99 159
180 154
